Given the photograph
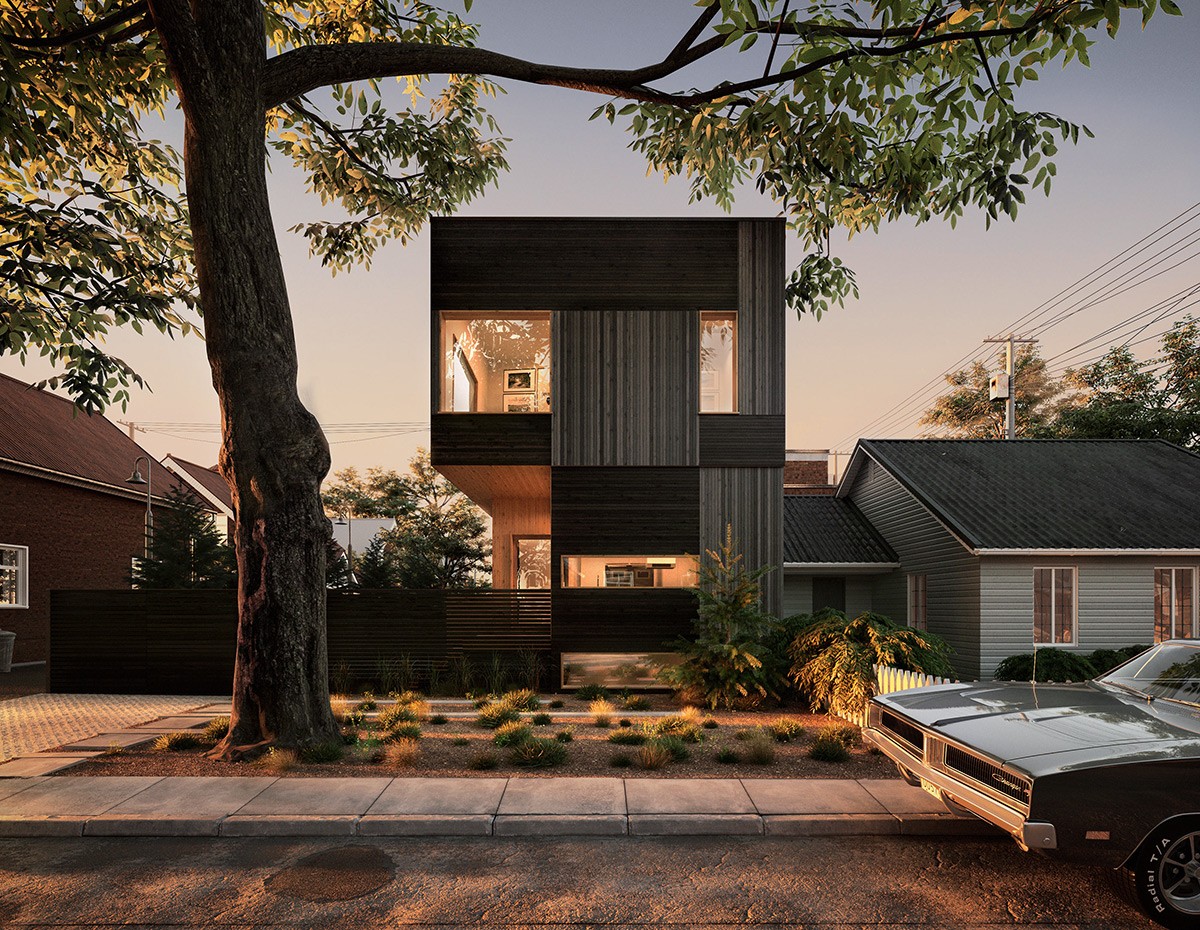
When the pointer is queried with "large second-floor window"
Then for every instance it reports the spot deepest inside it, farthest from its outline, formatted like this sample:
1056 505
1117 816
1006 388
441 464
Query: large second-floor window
495 363
1174 603
718 363
14 576
1054 605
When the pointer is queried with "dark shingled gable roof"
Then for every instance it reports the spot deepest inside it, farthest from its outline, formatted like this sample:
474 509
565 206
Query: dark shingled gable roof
208 478
823 530
1052 493
45 431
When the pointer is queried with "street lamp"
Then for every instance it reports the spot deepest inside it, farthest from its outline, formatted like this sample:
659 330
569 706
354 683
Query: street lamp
148 481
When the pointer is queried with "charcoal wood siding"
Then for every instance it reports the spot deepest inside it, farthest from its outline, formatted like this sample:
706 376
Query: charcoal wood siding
636 620
924 546
626 388
761 314
741 440
574 264
490 438
1115 606
750 500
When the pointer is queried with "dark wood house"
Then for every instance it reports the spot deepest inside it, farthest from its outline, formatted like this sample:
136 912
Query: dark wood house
611 392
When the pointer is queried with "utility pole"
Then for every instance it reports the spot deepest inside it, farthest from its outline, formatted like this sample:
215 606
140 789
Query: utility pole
1008 390
133 428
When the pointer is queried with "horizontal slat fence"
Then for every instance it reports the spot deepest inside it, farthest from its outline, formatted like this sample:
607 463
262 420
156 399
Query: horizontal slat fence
182 642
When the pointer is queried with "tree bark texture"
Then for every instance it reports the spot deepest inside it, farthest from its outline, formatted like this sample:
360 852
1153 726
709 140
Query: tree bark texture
273 453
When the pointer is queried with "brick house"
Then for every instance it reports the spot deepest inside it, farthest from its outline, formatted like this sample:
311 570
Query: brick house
68 517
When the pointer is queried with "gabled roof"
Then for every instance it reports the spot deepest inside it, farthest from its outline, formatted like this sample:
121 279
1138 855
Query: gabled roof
823 530
205 479
44 434
1049 494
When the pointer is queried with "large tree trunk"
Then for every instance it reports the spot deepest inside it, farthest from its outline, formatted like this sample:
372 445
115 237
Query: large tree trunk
274 454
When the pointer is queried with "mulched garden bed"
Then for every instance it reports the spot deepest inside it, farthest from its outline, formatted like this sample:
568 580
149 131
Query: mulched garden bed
589 752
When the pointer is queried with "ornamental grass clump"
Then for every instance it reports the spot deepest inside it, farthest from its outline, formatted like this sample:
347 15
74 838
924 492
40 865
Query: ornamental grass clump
591 693
834 659
652 756
785 730
491 716
322 753
536 752
403 753
438 720
542 720
759 749
354 718
728 756
675 746
392 716
601 711
367 703
557 703
177 742
685 725
636 702
400 731
627 736
511 733
483 761
565 735
620 760
368 751
277 760
828 748
216 730
521 699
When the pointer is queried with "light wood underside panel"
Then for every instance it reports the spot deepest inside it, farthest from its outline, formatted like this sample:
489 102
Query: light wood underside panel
484 484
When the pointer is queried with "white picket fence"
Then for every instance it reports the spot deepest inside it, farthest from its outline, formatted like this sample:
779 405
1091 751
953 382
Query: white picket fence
889 680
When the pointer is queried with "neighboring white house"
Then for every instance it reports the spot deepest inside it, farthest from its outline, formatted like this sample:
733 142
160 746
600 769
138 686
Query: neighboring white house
1004 546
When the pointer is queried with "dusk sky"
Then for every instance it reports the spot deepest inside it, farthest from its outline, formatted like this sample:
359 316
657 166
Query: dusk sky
929 295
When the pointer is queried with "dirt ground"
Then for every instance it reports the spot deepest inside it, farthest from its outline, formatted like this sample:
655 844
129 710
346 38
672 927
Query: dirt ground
448 749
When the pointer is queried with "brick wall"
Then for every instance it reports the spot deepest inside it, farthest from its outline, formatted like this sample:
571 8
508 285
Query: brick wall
77 539
805 473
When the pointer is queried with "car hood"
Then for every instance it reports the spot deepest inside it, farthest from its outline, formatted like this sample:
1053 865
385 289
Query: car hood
1022 723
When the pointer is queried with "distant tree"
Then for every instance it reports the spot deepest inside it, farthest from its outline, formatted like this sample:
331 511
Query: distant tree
187 550
966 411
376 567
1128 399
382 493
337 566
441 541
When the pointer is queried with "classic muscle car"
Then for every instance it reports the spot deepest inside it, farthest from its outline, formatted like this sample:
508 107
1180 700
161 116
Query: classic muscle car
1105 772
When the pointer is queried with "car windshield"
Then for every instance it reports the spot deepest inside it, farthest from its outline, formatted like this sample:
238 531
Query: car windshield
1170 672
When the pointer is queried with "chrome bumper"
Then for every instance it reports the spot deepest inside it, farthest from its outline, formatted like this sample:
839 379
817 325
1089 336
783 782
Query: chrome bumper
1028 834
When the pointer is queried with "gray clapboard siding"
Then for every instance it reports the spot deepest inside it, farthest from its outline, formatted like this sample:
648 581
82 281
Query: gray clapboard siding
1115 606
626 388
761 315
925 546
751 501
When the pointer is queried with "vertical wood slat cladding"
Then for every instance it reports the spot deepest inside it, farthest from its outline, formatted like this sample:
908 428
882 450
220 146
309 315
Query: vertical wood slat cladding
751 500
761 315
182 642
736 439
490 438
506 263
626 388
638 620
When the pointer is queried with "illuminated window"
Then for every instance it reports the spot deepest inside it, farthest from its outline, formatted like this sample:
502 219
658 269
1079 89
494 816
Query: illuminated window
533 561
917 603
1174 603
1054 605
495 363
14 576
628 571
718 363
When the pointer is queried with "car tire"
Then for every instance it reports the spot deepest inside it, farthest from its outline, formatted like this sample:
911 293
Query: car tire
1162 879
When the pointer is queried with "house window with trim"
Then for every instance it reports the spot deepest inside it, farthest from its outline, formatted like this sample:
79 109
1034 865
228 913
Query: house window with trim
917 603
718 363
1054 605
1174 603
14 576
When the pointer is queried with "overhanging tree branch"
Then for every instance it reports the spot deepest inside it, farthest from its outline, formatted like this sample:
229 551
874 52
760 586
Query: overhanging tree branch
117 18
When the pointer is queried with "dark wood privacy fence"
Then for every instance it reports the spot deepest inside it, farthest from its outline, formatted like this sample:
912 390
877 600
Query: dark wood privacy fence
182 642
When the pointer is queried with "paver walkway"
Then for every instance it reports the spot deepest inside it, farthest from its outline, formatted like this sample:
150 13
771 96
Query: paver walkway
553 806
42 721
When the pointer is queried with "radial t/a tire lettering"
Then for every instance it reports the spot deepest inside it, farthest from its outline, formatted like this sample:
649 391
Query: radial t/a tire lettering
1162 879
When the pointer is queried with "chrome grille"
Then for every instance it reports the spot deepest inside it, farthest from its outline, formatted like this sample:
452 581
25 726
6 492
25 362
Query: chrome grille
988 774
904 730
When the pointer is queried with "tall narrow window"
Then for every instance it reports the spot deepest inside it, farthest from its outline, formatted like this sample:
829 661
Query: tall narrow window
917 603
533 561
14 576
1054 605
718 363
1174 603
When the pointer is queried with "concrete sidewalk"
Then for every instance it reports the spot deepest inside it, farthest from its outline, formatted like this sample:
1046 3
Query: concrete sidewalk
269 806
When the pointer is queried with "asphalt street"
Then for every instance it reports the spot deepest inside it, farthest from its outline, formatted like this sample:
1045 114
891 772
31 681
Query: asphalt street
835 882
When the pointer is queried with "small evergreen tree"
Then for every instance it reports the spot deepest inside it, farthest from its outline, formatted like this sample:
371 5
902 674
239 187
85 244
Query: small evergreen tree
376 568
727 663
187 550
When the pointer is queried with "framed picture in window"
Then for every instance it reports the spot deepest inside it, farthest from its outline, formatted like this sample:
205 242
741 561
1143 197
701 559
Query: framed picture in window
524 402
520 379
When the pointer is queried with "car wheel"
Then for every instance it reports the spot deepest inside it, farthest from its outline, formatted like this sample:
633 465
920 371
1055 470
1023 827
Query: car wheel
1163 877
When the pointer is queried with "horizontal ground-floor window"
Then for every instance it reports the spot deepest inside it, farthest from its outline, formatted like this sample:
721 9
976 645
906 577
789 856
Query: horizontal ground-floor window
1054 605
629 571
14 575
1174 603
